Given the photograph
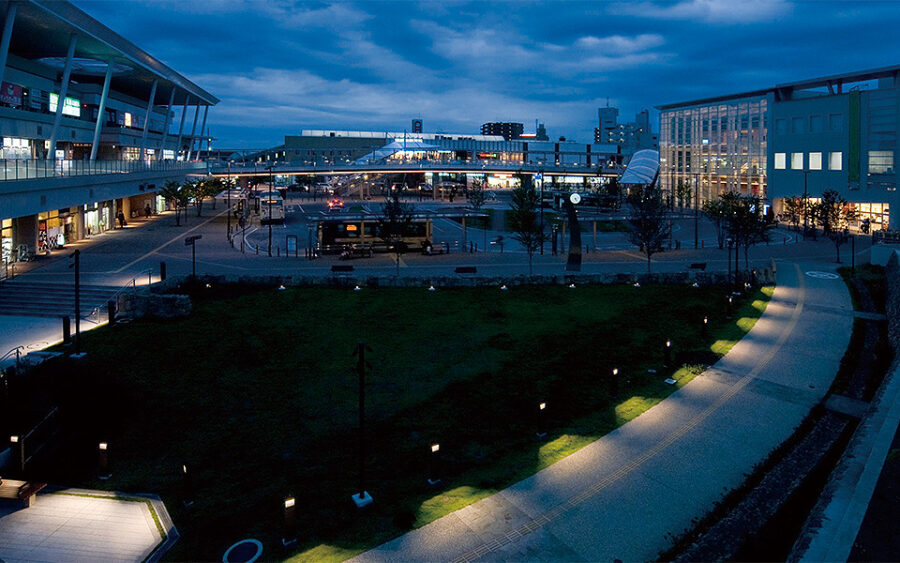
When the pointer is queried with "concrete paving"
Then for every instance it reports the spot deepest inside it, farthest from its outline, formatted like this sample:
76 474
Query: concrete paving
627 495
80 525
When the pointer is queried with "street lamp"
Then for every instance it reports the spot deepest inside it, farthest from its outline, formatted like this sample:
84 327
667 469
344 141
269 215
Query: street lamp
269 203
541 206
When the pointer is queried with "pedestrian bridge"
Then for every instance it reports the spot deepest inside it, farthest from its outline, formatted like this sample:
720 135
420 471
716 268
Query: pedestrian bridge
413 167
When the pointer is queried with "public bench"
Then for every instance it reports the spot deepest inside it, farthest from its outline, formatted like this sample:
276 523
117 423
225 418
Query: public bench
341 268
22 491
697 266
466 270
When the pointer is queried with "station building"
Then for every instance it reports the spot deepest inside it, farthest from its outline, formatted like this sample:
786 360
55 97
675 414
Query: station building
89 124
835 132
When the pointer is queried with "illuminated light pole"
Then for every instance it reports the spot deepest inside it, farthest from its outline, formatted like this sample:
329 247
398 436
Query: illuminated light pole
17 445
187 486
434 468
541 421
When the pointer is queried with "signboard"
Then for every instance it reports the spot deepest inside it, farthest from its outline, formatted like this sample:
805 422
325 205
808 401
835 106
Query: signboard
189 241
71 107
11 94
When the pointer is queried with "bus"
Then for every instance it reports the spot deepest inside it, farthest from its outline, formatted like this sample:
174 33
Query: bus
339 234
271 209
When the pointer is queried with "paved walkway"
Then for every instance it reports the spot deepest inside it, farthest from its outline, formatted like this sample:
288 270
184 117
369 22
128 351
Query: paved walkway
79 525
627 495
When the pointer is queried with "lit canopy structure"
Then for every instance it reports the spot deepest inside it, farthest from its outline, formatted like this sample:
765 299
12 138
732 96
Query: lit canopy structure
642 169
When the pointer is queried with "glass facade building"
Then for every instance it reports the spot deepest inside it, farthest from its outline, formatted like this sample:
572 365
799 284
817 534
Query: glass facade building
720 144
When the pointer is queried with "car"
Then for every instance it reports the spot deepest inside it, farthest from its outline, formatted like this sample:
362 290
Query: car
335 204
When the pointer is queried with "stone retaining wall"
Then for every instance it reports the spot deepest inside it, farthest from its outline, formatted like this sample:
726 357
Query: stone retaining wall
757 277
892 302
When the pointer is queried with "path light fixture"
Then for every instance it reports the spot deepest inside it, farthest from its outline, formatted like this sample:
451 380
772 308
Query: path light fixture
357 288
668 351
430 288
103 472
705 327
17 446
187 485
571 286
503 287
281 287
541 431
434 477
289 536
637 284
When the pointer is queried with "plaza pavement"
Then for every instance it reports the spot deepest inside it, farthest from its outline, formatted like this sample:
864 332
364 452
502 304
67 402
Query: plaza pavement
627 495
81 525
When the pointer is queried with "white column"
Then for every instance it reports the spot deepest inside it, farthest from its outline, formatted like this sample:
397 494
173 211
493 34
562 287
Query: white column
7 35
101 110
187 98
202 129
165 131
193 130
147 119
63 91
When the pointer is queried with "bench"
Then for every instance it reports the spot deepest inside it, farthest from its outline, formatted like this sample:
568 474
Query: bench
697 266
342 268
466 270
22 491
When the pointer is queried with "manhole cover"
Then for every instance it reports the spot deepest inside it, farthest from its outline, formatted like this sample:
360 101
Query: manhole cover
244 551
823 275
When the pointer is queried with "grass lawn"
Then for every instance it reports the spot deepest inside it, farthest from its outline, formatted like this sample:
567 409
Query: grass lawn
257 395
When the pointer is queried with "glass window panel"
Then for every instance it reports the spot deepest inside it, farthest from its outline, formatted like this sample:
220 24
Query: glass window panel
796 161
835 161
815 161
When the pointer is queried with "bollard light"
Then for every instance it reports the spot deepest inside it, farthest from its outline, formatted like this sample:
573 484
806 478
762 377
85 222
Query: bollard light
280 287
696 284
357 288
503 287
103 472
14 439
571 286
430 288
637 284
668 353
434 470
289 535
541 432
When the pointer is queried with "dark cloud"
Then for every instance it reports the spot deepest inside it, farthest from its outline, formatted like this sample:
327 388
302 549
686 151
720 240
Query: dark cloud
280 67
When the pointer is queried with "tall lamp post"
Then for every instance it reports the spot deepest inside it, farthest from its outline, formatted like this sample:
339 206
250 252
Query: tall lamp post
270 168
805 205
541 206
696 210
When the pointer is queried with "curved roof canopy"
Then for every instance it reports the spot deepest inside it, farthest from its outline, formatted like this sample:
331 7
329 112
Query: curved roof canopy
642 168
41 33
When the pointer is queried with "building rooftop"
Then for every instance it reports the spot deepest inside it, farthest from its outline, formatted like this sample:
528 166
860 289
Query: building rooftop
41 34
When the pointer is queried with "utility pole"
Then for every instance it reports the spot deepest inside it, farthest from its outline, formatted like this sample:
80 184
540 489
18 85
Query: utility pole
362 498
76 264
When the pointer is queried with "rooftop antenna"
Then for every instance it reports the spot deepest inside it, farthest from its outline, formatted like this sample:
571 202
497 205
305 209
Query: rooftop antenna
607 101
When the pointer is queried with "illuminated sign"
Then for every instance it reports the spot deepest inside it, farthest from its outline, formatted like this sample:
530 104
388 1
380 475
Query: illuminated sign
488 155
11 94
71 107
127 119
352 227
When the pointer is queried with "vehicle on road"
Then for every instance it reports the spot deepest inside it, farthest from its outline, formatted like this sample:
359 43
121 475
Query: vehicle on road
335 204
271 209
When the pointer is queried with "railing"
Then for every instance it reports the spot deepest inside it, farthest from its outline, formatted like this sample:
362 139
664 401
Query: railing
130 285
17 351
18 169
424 164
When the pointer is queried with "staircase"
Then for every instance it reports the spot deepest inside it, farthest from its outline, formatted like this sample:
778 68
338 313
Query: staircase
46 299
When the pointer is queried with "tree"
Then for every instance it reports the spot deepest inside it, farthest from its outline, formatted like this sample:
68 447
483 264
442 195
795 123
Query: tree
683 193
395 219
176 194
523 221
476 195
204 189
793 211
835 214
649 220
717 210
747 223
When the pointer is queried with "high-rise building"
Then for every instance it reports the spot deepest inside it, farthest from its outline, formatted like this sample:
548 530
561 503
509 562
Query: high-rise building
508 131
631 137
416 126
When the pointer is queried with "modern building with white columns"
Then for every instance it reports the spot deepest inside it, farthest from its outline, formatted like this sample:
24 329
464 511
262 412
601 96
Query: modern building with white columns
89 124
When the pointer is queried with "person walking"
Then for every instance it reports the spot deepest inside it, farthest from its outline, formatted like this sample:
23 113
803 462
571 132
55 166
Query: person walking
121 217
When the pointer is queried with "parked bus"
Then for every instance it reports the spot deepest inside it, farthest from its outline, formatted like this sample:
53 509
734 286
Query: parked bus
345 233
271 209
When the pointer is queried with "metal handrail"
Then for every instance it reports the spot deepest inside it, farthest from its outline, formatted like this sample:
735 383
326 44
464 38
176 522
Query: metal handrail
94 315
16 351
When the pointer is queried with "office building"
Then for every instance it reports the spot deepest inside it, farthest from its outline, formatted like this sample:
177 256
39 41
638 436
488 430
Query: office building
509 131
630 137
836 132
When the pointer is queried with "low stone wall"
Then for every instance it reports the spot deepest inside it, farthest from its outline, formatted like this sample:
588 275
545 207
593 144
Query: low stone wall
757 277
892 302
142 304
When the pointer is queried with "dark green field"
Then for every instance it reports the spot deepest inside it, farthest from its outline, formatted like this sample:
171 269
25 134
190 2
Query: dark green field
257 394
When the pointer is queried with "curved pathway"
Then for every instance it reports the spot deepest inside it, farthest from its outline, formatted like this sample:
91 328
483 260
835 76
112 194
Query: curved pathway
627 495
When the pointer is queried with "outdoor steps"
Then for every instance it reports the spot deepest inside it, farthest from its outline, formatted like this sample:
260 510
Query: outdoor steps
45 299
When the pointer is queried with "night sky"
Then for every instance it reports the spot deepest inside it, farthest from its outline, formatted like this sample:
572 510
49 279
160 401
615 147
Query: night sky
279 67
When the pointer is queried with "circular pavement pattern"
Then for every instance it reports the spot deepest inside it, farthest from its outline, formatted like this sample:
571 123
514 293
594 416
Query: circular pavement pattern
823 275
244 551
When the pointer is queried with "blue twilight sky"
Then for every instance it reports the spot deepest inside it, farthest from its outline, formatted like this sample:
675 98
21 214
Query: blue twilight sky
281 66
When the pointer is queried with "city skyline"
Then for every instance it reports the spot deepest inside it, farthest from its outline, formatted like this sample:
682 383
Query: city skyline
282 67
